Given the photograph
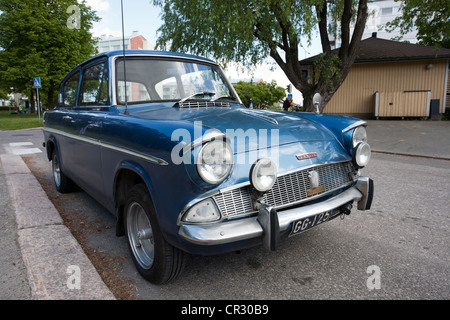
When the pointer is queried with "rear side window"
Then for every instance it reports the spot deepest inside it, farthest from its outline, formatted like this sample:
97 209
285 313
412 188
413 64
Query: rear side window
94 86
70 90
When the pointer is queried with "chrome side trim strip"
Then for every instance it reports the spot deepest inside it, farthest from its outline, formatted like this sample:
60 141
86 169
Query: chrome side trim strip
99 143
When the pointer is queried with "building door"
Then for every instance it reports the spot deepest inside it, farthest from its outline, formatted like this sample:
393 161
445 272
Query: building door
402 104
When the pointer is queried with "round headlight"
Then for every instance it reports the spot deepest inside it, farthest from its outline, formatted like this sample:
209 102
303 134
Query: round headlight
359 135
214 161
361 155
263 175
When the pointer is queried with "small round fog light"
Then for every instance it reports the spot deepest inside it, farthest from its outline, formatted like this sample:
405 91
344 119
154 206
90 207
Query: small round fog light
361 155
263 175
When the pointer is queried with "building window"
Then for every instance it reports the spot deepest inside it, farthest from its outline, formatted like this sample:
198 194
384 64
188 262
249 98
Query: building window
386 11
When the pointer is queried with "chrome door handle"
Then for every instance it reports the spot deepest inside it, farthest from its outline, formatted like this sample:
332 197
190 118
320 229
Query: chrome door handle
95 125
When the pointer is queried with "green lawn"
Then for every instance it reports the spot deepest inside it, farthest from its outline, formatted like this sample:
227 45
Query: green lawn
18 121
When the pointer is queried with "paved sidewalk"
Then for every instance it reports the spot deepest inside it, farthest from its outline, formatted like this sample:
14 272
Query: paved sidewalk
416 138
56 266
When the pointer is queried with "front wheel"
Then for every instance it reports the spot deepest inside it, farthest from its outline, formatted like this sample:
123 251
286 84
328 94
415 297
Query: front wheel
155 259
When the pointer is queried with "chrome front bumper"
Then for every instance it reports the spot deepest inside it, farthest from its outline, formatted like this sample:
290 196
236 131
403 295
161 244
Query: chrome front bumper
269 222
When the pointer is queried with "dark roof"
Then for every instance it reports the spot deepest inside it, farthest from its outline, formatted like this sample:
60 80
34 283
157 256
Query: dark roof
378 50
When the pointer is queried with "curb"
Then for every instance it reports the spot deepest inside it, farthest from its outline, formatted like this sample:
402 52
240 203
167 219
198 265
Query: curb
57 267
411 155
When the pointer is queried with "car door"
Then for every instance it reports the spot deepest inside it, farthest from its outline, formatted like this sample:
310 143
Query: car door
83 124
55 121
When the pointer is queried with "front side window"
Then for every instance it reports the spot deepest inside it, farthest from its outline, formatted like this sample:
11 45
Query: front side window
150 80
70 90
94 86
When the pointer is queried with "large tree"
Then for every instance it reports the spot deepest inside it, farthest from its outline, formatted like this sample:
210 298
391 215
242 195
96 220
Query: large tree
249 31
43 38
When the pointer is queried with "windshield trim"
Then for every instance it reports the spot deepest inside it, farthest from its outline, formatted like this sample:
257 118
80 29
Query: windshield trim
114 76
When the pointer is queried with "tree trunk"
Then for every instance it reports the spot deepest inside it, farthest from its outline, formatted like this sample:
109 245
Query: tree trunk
51 96
308 102
327 86
32 104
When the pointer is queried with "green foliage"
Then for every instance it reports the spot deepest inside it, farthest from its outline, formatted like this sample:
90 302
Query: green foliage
3 94
36 41
431 18
328 67
263 94
232 30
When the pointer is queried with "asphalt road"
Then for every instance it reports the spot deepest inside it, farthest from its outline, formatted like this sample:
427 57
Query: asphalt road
397 250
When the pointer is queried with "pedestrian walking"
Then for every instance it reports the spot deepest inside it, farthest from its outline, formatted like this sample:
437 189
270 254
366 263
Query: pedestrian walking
286 104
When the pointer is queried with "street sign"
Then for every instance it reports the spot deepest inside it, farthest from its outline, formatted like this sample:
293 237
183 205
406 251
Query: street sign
37 83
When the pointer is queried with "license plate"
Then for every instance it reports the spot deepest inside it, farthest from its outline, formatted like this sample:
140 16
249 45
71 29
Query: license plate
305 224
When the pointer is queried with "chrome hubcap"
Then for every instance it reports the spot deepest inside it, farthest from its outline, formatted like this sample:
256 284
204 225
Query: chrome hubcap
140 235
56 171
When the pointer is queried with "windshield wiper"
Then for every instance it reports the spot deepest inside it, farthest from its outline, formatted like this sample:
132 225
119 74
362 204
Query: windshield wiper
205 93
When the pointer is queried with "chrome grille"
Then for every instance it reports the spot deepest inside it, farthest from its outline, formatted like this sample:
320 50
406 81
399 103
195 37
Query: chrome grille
288 189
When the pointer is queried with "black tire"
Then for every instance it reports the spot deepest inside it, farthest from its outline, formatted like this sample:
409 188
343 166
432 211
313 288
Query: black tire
62 183
155 259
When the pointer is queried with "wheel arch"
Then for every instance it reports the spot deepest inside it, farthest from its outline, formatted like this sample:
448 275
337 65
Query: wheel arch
51 145
127 175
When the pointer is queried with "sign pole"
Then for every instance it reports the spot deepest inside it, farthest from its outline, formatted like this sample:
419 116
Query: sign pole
38 104
37 85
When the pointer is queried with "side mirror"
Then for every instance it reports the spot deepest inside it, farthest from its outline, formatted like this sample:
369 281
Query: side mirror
317 99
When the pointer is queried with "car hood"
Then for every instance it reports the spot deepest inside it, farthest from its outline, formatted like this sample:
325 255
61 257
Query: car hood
245 126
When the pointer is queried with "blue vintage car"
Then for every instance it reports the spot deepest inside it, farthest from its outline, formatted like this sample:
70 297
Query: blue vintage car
163 141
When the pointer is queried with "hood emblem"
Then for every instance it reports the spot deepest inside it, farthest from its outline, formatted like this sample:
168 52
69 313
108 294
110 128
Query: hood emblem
306 156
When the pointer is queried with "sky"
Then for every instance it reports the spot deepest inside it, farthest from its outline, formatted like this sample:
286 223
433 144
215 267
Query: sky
143 16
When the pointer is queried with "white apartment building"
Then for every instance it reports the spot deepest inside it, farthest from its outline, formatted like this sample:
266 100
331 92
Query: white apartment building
134 41
381 12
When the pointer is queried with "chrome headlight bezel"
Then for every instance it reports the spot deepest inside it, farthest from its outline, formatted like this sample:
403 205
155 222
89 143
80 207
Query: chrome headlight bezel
214 161
359 135
263 174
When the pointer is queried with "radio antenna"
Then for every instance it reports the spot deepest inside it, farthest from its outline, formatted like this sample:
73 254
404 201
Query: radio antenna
124 65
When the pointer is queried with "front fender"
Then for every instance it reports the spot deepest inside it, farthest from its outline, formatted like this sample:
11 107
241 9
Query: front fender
340 126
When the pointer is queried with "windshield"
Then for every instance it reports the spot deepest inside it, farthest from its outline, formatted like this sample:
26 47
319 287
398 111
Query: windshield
151 80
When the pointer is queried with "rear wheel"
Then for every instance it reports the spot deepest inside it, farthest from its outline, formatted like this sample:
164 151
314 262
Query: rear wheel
62 183
155 259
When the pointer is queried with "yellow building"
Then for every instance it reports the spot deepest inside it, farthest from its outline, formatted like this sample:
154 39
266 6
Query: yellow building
393 79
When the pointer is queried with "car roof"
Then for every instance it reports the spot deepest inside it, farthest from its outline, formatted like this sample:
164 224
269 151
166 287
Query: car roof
149 53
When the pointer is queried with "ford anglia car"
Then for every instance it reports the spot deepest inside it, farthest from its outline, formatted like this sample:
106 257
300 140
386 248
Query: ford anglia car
163 141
